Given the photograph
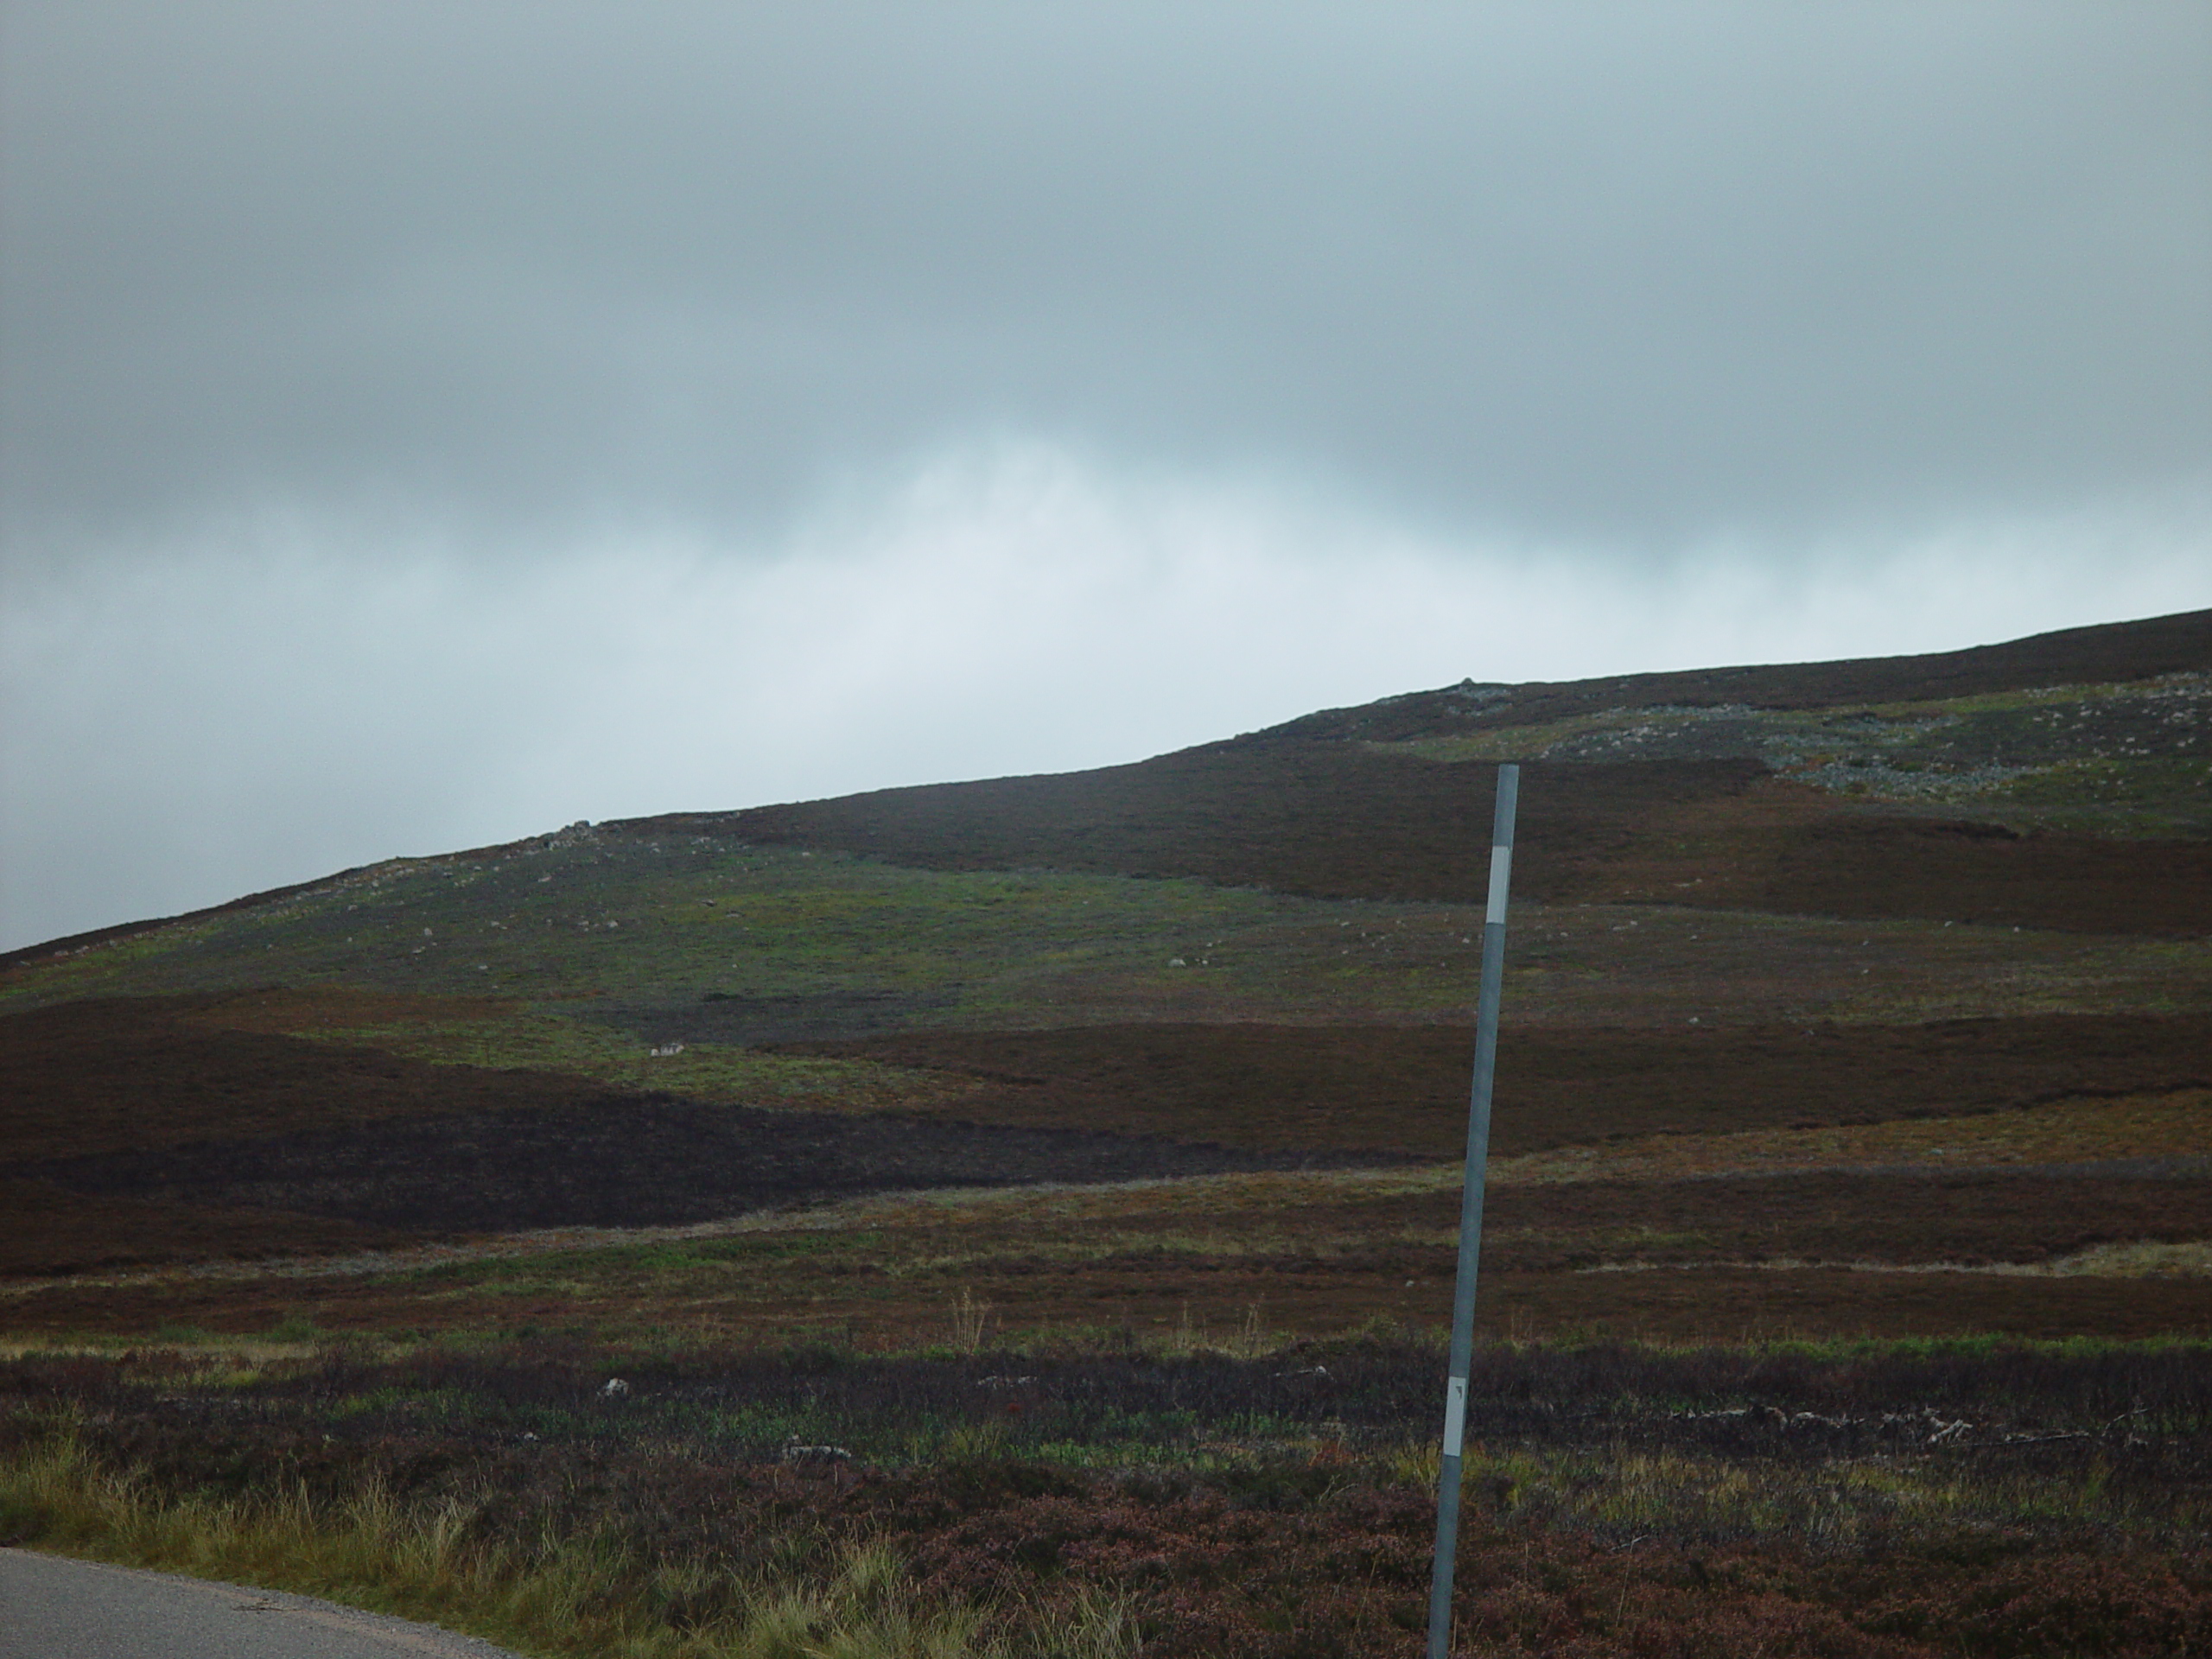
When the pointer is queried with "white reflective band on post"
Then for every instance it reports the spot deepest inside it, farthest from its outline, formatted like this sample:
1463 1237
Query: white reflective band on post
1501 870
1455 1416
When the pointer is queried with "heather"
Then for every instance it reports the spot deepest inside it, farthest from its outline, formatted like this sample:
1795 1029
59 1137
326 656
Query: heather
1835 1499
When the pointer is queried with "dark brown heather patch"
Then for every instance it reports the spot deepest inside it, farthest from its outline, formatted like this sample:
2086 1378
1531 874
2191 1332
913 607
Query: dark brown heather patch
1347 1087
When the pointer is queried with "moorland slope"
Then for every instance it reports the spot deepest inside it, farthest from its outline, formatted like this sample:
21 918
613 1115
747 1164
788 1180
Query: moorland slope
1965 897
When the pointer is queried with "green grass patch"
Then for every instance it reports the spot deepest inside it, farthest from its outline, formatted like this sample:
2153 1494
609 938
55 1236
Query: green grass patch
701 1070
619 923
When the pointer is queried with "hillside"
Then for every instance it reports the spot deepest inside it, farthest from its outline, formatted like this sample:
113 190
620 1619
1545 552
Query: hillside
1962 787
1756 910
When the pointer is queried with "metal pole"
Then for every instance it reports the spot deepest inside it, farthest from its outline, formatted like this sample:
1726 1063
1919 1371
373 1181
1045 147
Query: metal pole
1471 1216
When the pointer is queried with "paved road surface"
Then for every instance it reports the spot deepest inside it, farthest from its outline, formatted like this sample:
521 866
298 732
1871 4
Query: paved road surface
53 1608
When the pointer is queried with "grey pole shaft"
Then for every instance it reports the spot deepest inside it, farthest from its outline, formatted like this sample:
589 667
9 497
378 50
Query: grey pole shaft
1470 1215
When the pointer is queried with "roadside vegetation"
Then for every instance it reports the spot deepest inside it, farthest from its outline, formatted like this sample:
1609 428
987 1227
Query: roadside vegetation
567 1497
580 1592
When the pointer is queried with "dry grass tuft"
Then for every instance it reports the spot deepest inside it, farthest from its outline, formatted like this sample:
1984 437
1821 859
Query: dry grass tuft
581 1593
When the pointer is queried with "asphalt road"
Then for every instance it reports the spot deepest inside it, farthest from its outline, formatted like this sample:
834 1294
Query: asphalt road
54 1608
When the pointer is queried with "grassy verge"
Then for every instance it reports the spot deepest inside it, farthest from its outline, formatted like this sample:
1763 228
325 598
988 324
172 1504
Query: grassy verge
584 1591
1847 1500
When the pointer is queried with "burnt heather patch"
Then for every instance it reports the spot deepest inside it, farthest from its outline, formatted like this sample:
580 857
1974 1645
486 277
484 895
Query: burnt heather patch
1343 1087
53 1229
129 1074
625 1160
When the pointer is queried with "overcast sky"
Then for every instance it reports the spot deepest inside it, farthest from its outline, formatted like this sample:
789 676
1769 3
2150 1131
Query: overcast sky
422 425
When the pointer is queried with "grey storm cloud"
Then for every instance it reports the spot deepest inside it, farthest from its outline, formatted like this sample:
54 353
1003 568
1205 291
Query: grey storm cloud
1621 274
423 425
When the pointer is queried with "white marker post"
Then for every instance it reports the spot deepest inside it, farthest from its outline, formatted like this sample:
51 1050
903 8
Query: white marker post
1470 1215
